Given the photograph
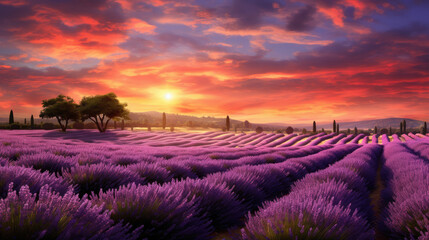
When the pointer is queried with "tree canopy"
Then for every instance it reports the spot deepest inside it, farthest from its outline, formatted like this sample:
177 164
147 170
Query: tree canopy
100 109
63 108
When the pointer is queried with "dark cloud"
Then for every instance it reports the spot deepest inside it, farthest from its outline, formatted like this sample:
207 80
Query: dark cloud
374 49
12 17
105 11
168 40
246 14
302 20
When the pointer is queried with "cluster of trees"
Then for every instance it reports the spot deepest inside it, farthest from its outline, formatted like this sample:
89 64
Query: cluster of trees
390 131
99 109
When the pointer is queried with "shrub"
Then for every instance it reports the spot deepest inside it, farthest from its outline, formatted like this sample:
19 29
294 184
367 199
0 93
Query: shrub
151 172
302 218
162 211
46 162
34 179
54 217
215 201
259 129
96 177
179 170
243 186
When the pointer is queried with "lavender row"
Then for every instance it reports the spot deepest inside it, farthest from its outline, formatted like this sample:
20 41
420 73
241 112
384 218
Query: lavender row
406 195
329 204
195 208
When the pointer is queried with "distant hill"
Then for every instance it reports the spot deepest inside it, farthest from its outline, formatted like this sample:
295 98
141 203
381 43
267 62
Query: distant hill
216 122
366 124
154 118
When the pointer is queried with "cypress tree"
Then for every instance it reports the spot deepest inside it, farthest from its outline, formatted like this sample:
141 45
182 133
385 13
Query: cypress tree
314 127
425 128
164 120
334 127
348 131
123 124
25 121
355 130
405 127
390 130
400 128
11 120
338 128
32 121
375 129
228 123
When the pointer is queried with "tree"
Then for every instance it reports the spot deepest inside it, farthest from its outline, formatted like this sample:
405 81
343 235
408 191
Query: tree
334 127
356 131
11 120
63 108
246 124
100 109
123 124
164 120
375 130
314 127
425 128
338 128
390 131
228 124
401 127
404 125
32 121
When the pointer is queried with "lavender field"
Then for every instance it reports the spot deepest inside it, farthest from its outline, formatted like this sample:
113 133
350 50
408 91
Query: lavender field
216 185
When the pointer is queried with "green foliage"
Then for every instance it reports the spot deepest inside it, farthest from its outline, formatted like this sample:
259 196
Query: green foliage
100 109
32 121
15 125
164 120
62 108
11 120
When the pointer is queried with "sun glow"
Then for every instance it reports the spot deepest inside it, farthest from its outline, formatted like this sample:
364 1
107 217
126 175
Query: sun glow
168 96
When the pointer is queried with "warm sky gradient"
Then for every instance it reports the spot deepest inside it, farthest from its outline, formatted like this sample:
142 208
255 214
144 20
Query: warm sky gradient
261 60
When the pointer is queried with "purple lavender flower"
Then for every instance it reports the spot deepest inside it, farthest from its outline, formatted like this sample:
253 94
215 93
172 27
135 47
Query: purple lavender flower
162 212
93 178
55 217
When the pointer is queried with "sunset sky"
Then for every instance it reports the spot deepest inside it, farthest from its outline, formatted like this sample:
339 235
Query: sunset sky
261 60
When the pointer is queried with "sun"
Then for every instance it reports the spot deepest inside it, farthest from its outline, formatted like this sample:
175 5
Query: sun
168 96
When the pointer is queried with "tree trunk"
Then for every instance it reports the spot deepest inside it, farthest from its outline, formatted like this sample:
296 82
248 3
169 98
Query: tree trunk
98 125
63 129
105 126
